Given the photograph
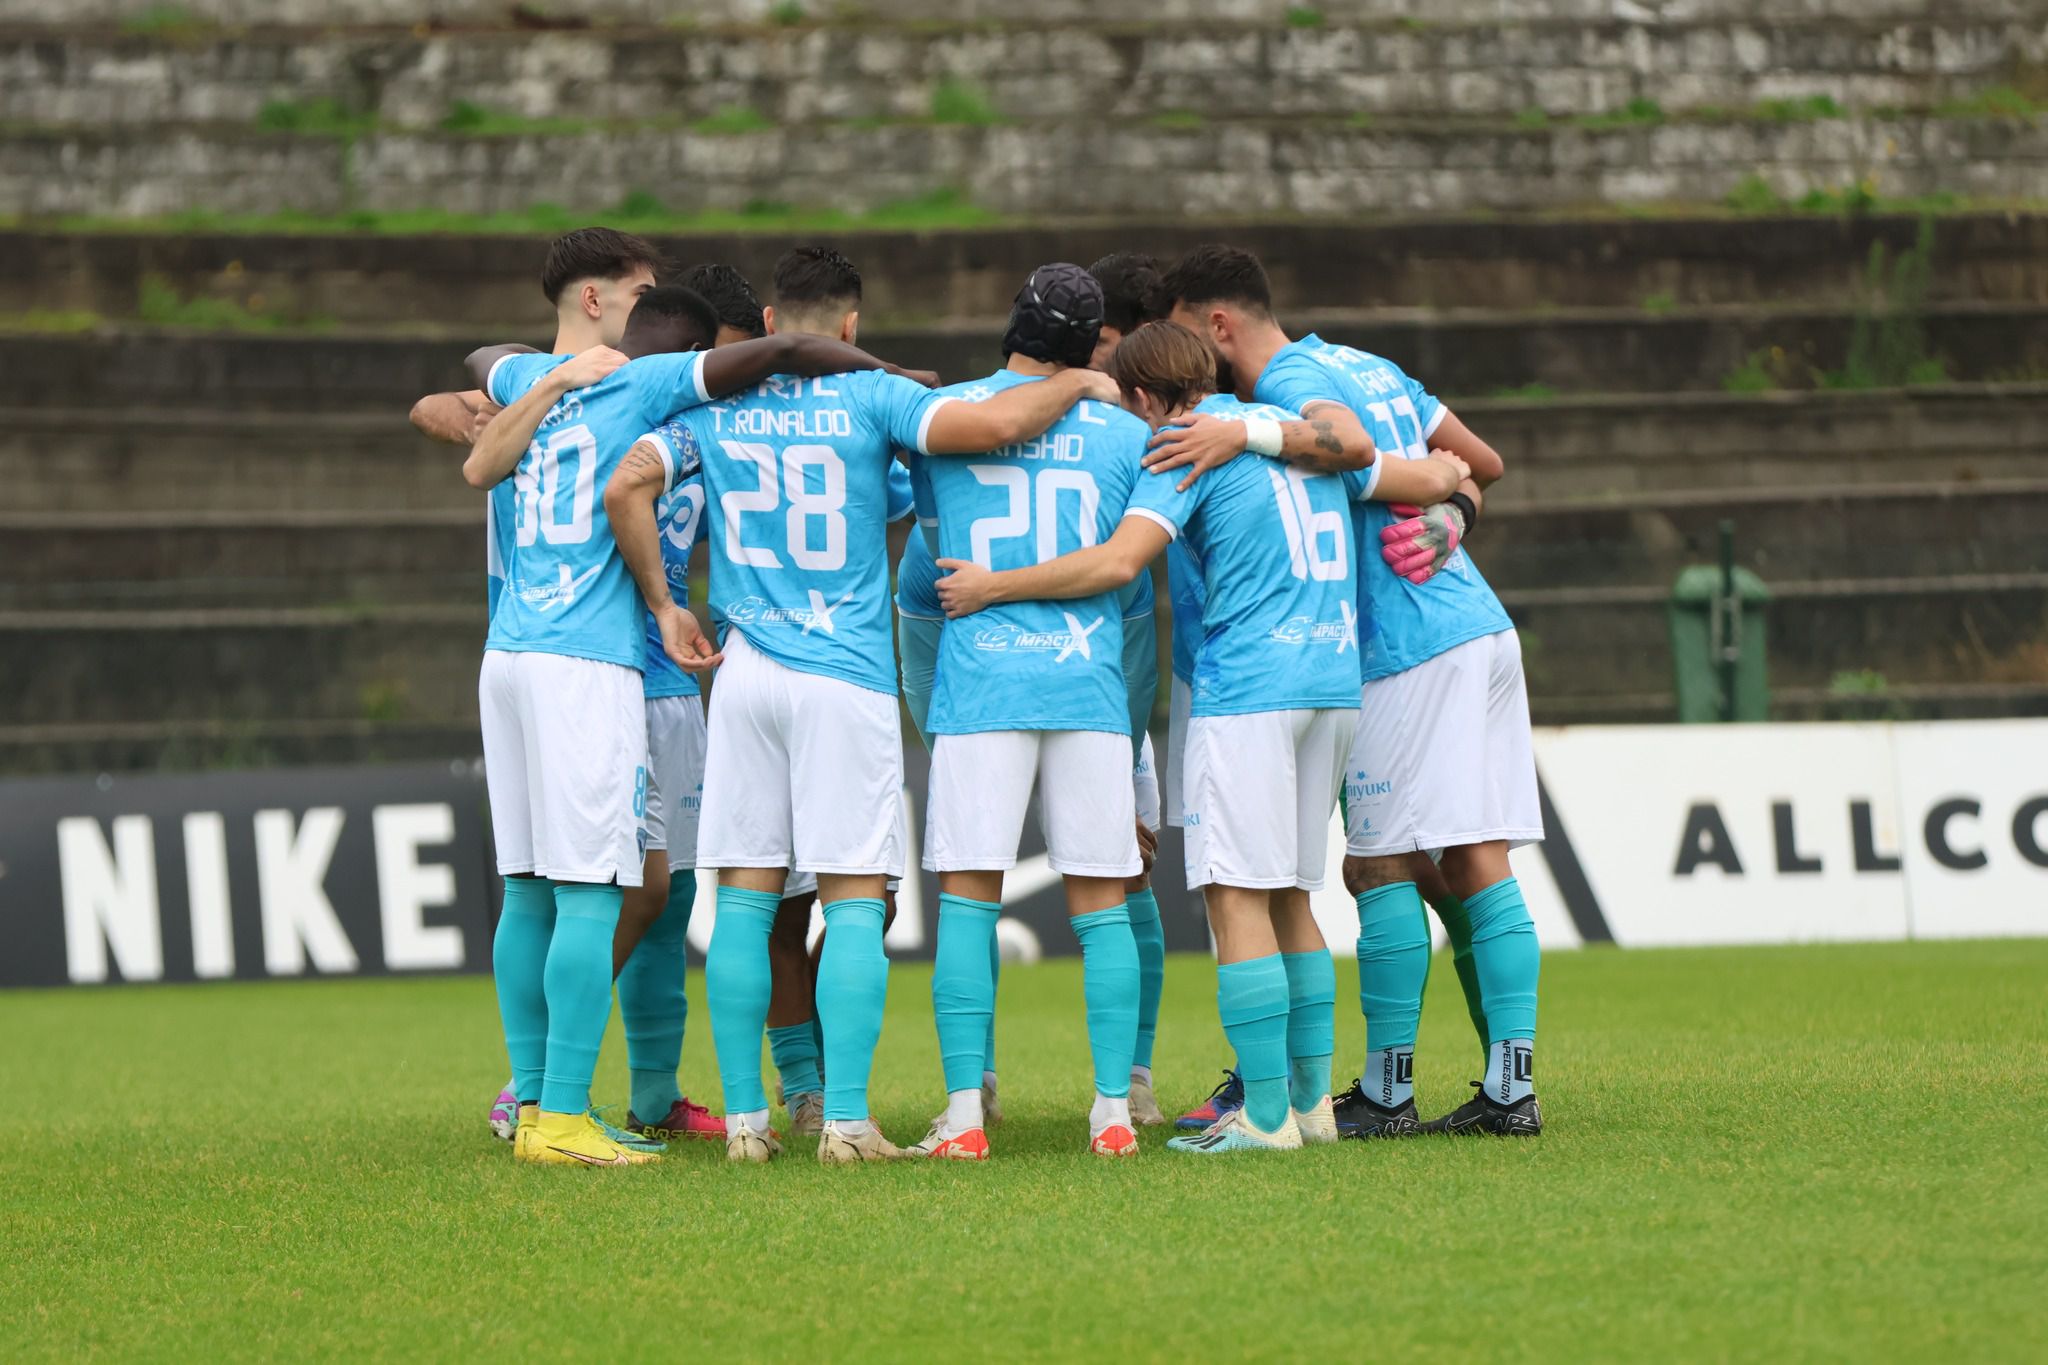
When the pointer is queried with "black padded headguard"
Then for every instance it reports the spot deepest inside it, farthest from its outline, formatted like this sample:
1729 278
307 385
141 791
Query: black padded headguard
1056 316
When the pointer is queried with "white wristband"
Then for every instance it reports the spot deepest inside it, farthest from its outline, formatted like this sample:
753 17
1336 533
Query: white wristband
1261 435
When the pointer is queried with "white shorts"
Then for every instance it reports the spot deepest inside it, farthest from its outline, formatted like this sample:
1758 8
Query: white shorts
981 786
1180 700
1145 785
802 771
1442 757
675 778
1260 789
565 763
806 884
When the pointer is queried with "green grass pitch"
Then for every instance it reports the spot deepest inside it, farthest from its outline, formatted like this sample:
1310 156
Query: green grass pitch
1794 1153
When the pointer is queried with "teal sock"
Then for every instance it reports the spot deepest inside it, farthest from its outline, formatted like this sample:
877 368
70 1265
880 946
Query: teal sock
578 981
1457 922
964 988
1507 962
737 985
1151 940
1311 1026
653 1006
1251 997
794 1050
853 987
995 981
519 954
1393 967
1109 985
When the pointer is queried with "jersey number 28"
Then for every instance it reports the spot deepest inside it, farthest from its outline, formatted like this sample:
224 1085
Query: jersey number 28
775 477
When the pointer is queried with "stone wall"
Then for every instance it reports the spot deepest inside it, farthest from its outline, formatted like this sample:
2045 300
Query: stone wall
1279 168
470 13
803 75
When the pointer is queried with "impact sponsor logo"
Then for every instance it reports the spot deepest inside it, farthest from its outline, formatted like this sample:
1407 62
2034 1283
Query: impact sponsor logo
562 592
758 611
1307 631
1064 644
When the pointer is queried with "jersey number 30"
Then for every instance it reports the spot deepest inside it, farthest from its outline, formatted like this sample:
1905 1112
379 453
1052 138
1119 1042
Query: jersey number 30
775 477
538 482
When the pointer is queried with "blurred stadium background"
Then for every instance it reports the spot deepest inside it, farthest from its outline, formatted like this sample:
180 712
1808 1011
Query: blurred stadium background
1752 296
1775 270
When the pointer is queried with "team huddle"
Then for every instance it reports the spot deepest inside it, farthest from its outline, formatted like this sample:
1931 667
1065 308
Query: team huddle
1331 642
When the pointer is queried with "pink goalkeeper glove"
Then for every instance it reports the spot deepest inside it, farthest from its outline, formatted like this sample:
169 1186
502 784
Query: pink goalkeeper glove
1417 547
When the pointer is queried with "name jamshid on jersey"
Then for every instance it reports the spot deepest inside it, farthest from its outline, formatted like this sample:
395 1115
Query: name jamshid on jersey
1307 630
1075 639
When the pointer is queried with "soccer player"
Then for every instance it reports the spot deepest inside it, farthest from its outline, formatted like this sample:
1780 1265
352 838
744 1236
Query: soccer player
1029 696
1273 713
740 316
1130 289
564 718
1131 298
804 768
1443 760
591 277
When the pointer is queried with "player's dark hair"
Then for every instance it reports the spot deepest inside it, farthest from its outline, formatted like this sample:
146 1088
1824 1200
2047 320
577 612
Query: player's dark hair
1132 290
595 253
1167 361
1218 274
739 307
669 318
810 276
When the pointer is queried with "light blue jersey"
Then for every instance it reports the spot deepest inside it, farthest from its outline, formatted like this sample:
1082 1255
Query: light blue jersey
1035 665
501 510
917 586
1401 624
1274 548
567 590
678 517
798 484
1185 589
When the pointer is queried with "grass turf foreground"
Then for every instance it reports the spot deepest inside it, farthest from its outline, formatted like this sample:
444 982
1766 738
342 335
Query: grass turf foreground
1799 1153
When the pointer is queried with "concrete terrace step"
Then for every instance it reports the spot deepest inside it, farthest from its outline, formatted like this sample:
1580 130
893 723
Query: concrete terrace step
1465 353
418 664
1605 551
1500 65
1291 167
226 455
489 283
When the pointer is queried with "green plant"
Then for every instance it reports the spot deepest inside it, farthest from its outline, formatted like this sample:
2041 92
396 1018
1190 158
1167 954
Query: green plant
1798 109
159 303
1888 341
1756 374
1659 303
1999 101
958 101
324 117
787 13
55 321
1360 118
1532 118
1304 16
172 22
1638 112
735 118
1753 194
1178 119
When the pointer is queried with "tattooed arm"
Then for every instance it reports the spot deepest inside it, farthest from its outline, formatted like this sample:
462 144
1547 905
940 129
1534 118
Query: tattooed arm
1328 438
629 500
